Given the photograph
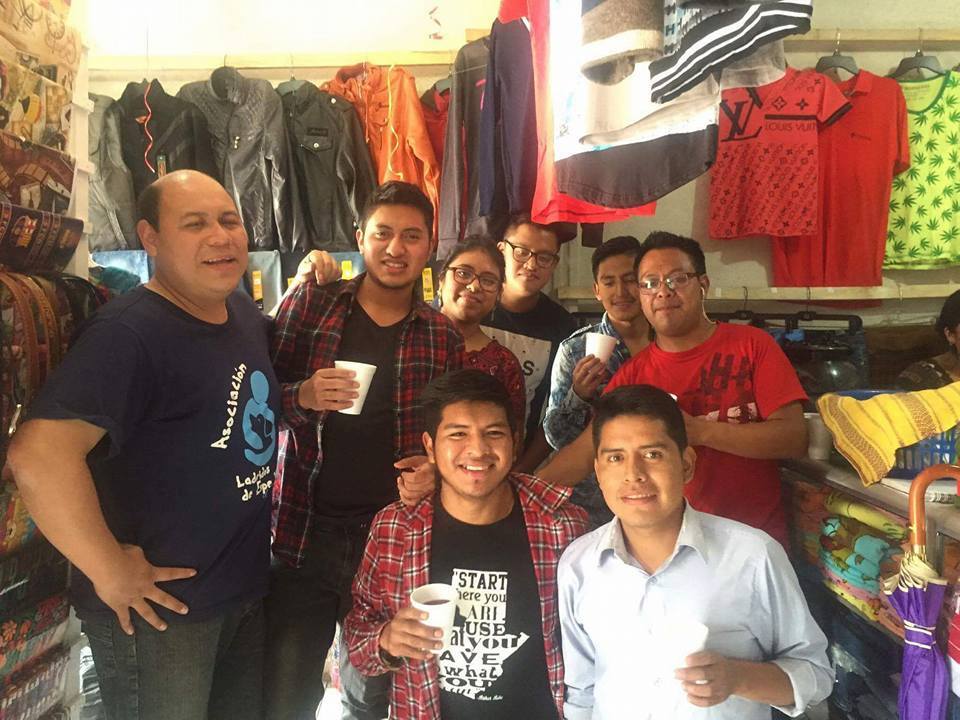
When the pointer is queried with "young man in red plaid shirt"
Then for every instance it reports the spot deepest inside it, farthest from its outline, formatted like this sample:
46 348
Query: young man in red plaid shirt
496 537
335 471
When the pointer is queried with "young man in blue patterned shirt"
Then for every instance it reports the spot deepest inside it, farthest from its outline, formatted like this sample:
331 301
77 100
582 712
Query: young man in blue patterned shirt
577 378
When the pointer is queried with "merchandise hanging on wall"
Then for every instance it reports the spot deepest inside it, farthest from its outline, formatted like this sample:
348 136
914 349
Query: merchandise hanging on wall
863 151
251 154
459 200
35 176
925 205
332 164
158 134
389 109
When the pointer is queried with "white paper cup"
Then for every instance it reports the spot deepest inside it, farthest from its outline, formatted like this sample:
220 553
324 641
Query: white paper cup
364 377
676 639
439 601
600 346
821 441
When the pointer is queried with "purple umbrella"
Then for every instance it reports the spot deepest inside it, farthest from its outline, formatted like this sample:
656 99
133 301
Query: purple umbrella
916 593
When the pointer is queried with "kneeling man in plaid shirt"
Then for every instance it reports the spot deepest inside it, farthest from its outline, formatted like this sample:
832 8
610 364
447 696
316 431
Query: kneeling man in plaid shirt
494 535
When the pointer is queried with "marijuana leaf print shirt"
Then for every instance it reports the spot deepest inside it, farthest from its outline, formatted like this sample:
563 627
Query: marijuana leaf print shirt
924 228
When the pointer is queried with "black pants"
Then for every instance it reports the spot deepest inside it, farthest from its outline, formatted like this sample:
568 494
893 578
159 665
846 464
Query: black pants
302 611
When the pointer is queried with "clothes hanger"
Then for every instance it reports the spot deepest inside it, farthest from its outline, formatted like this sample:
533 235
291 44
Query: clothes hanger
919 62
836 61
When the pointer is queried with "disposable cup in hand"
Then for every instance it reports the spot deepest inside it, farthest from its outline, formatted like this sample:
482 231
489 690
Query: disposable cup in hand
676 639
439 602
364 376
600 346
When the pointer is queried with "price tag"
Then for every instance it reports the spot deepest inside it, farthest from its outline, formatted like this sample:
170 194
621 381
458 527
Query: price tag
427 276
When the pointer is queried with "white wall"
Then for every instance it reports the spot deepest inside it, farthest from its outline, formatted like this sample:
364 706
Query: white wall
208 29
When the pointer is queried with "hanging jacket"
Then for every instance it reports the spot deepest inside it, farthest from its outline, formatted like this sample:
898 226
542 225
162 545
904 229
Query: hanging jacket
252 153
436 105
112 212
508 126
332 165
460 178
392 119
159 134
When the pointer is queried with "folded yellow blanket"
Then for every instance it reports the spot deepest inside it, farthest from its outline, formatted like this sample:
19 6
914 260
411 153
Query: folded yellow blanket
869 432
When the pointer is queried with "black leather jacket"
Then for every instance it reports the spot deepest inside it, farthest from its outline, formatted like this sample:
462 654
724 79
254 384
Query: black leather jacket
250 147
332 163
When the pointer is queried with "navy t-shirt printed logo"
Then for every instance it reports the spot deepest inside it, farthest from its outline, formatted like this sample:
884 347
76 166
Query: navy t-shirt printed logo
259 426
259 422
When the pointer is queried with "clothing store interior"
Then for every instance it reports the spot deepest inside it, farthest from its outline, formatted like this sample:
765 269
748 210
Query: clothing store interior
541 359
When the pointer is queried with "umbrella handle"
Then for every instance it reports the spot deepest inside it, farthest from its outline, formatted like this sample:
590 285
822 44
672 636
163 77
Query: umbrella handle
918 490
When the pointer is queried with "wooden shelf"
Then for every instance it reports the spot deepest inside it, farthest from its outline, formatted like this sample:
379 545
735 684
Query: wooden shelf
859 39
800 294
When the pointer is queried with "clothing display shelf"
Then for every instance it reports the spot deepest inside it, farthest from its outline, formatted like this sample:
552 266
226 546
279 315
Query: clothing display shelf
943 521
898 291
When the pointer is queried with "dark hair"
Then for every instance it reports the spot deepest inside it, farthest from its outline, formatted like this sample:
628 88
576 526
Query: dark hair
949 314
476 242
148 204
466 385
660 240
518 221
620 245
643 401
396 192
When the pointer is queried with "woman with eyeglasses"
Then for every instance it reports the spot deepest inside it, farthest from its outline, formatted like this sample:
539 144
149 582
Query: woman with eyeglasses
471 282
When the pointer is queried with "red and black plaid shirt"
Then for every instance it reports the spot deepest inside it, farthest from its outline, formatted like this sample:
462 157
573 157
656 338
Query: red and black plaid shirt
307 335
397 561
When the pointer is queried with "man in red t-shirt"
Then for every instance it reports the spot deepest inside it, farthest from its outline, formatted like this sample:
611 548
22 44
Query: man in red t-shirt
740 396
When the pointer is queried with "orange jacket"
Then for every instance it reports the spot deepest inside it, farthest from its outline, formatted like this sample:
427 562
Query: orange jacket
389 109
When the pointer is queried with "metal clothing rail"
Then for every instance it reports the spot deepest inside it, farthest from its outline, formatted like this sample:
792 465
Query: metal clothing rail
746 294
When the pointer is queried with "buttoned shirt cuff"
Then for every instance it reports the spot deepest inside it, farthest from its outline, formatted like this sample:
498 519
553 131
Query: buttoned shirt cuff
806 688
293 414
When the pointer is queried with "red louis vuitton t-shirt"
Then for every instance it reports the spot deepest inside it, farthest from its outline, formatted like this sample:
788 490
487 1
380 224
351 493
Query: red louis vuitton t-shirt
859 156
739 375
766 178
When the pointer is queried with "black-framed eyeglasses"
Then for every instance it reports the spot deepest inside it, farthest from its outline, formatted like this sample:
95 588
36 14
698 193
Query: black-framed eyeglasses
651 284
543 259
466 275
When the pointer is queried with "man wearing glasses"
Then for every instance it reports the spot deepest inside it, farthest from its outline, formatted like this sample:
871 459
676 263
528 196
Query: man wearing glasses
530 324
741 398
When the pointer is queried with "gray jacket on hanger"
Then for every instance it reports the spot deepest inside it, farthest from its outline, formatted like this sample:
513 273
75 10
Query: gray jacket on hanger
112 213
251 149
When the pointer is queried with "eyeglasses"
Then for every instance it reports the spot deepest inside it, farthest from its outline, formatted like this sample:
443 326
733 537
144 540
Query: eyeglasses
465 276
543 259
650 285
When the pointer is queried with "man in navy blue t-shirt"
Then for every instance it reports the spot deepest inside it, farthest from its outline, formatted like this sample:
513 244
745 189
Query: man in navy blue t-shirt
148 460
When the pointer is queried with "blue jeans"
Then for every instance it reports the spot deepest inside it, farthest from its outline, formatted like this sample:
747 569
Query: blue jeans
207 670
302 611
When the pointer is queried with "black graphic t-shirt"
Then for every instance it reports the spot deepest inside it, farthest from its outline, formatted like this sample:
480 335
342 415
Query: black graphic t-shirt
495 667
185 470
357 478
534 338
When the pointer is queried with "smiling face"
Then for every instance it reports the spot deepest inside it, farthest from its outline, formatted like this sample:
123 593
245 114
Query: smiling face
641 472
395 244
469 304
672 313
473 450
616 288
199 245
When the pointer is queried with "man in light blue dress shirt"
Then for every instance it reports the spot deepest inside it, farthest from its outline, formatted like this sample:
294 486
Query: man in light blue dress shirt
631 590
577 378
